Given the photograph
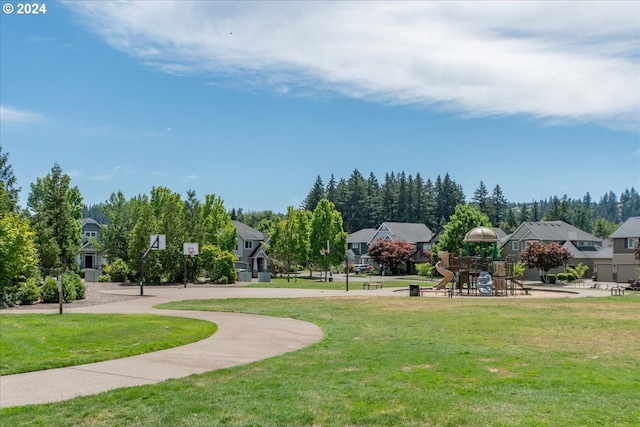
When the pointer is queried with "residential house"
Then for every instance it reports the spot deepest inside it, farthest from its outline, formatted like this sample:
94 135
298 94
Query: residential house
584 247
622 265
417 234
89 256
358 246
250 249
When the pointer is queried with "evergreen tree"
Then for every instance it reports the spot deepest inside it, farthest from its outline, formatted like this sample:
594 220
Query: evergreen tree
498 205
316 194
355 204
330 194
525 214
56 213
372 203
389 199
535 212
8 183
481 198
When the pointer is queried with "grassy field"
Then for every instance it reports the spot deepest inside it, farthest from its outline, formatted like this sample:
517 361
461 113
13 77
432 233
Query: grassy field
403 362
32 342
355 282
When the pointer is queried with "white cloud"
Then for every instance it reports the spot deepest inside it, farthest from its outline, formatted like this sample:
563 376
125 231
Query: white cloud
107 176
553 60
17 115
190 178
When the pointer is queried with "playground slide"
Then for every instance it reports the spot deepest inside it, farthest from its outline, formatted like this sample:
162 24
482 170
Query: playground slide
446 274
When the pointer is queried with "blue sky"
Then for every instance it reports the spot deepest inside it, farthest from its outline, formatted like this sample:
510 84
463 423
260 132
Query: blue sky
252 100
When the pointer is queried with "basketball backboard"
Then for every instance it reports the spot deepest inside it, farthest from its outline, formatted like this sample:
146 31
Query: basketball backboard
190 249
158 242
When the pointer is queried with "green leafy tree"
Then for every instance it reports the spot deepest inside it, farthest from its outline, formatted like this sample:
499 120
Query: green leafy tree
218 228
56 213
18 256
327 233
603 228
121 215
424 269
579 270
289 243
168 210
461 222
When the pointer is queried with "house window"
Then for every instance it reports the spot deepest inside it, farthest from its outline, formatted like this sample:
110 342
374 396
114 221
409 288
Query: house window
632 242
515 245
248 244
90 234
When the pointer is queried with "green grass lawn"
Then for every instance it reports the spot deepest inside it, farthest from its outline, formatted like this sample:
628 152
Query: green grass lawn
403 362
32 342
304 282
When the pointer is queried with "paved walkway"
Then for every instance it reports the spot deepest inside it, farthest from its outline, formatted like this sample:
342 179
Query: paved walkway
240 339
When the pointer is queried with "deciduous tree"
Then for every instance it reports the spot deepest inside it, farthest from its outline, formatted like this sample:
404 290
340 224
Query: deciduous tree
545 256
394 255
327 234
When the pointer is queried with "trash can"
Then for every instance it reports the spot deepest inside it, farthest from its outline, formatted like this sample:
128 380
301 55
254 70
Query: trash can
414 290
264 277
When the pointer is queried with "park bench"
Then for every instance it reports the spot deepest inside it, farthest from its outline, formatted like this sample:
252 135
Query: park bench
372 285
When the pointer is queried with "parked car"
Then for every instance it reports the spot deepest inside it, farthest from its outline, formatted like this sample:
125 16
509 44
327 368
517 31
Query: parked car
361 268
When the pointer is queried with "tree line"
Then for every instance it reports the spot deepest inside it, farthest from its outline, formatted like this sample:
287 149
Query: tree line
400 197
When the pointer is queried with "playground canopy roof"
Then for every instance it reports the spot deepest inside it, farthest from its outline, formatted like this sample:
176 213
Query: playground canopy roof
481 234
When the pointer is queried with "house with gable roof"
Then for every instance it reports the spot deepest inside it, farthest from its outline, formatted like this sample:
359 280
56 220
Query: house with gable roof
89 257
583 247
250 249
622 265
417 234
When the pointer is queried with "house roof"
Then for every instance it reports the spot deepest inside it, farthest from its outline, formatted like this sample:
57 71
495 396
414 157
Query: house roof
409 232
248 233
361 236
87 220
558 231
630 228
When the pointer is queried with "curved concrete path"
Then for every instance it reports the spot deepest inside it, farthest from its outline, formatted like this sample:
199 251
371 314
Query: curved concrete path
240 339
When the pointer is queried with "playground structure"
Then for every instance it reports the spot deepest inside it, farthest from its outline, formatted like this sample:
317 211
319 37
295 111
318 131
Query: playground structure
478 274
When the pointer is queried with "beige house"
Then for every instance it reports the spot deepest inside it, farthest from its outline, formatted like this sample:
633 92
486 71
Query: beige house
583 247
623 265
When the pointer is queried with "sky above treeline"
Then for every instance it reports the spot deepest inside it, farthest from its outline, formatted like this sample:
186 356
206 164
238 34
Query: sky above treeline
252 101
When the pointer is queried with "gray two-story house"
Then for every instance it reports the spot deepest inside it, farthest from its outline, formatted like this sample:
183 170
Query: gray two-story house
417 234
250 249
89 256
583 247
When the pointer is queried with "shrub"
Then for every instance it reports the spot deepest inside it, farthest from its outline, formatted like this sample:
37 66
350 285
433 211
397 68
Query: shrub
104 278
223 280
551 278
49 290
571 277
28 292
74 282
561 277
117 271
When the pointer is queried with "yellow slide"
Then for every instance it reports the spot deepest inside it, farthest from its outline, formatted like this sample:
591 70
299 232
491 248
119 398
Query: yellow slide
446 274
